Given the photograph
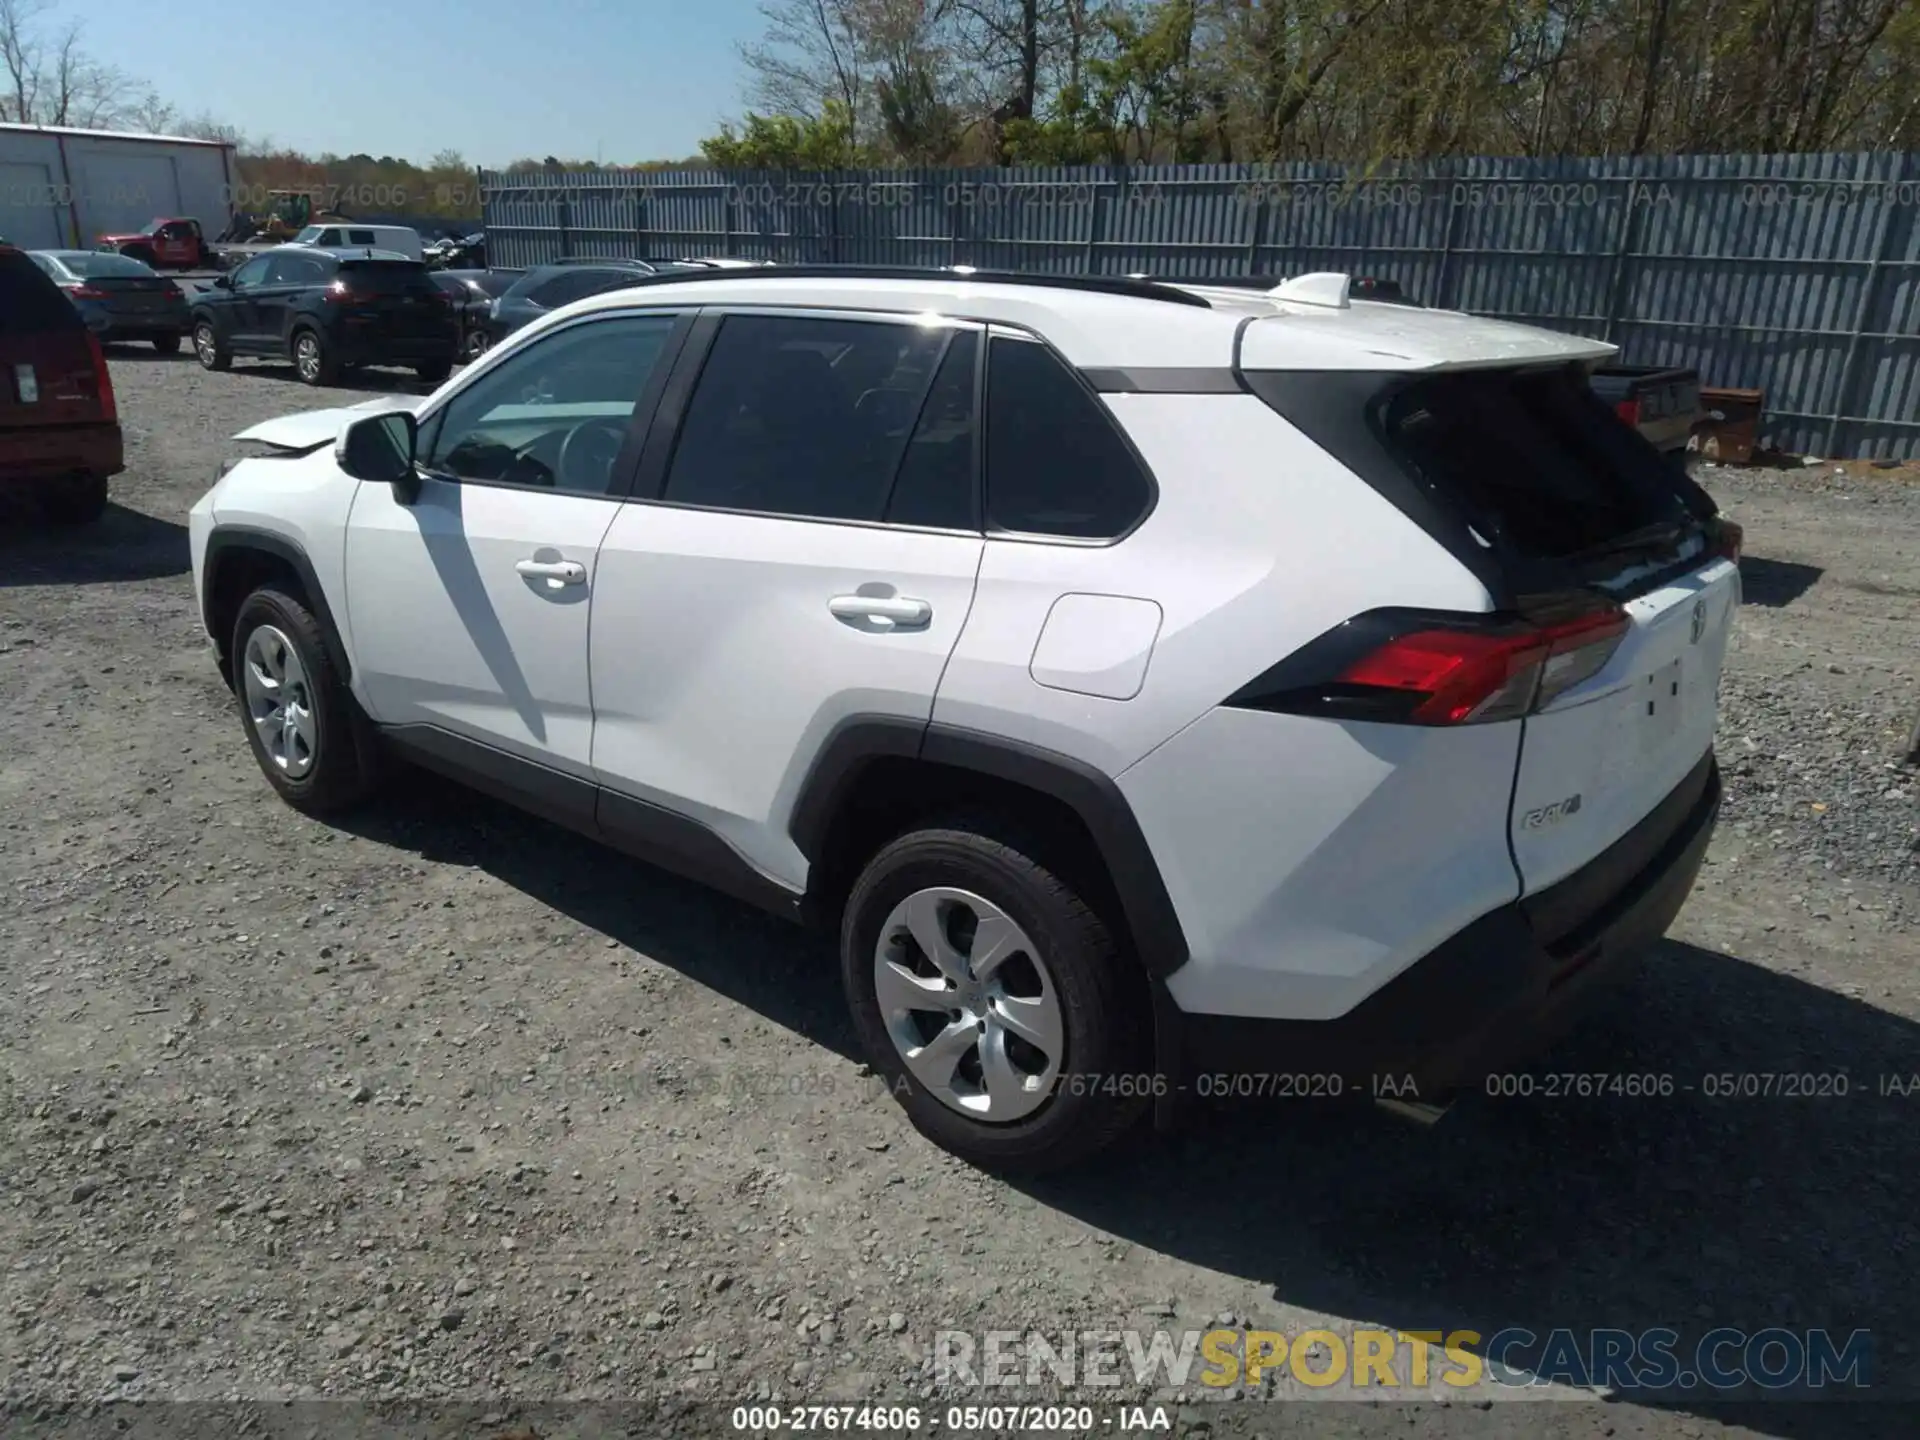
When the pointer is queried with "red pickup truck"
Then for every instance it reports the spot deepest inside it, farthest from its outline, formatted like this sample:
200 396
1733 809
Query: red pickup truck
167 243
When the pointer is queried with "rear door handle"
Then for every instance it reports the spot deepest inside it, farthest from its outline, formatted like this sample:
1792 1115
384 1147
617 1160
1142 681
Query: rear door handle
554 572
897 611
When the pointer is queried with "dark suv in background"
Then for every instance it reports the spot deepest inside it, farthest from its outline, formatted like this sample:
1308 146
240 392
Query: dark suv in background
328 314
59 426
548 287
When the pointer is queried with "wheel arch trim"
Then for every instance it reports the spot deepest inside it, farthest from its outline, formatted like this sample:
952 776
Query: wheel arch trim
227 541
1152 923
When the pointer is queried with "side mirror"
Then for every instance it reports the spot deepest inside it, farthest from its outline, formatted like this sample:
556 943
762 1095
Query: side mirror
379 449
223 282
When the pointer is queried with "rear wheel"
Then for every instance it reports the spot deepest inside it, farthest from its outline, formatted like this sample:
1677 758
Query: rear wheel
209 348
313 360
993 999
167 344
75 499
306 730
475 345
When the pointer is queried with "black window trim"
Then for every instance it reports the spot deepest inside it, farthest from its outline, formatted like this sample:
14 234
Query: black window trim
651 477
1030 537
639 427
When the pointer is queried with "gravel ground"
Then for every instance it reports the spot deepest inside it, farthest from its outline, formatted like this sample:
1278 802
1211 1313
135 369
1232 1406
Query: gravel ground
450 1106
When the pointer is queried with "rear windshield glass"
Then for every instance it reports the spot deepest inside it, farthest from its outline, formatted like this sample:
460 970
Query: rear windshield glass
29 301
102 266
386 277
1533 461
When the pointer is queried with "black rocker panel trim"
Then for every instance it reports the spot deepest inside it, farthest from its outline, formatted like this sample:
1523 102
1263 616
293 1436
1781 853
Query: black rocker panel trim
227 541
650 833
1091 795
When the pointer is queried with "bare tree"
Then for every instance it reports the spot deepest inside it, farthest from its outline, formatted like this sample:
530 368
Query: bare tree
50 78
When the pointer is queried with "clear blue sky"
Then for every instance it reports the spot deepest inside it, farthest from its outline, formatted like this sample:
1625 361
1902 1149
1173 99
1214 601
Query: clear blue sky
493 79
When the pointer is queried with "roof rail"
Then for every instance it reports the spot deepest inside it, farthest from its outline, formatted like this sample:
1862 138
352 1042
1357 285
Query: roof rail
1089 284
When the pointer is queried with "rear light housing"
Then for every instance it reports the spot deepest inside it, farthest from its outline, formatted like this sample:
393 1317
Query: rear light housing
84 291
102 380
1629 411
1726 538
1409 667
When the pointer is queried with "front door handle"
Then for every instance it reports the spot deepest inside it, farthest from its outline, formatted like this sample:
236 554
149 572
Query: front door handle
891 610
554 572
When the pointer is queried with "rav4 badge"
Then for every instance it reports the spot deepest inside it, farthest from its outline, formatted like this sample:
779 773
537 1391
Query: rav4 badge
1549 814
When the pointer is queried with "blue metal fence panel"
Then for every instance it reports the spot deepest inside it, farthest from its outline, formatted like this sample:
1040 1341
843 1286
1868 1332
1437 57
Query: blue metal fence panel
1798 275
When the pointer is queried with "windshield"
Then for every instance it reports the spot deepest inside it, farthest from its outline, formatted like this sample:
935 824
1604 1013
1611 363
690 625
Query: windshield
152 227
308 235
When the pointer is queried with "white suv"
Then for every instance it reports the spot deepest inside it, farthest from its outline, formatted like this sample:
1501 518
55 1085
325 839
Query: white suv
1146 682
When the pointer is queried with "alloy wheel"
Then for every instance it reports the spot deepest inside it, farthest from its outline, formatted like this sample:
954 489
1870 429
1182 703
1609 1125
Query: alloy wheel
280 702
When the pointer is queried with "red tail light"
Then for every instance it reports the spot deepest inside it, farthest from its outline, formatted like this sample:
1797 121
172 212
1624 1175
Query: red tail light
1415 668
103 380
1726 537
85 292
1463 676
1629 411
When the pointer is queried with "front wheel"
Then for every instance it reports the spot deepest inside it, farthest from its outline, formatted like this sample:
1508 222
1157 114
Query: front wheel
307 732
993 1000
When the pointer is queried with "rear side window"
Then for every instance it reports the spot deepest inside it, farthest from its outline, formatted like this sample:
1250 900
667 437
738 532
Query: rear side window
361 237
571 285
813 418
1056 463
1533 462
29 302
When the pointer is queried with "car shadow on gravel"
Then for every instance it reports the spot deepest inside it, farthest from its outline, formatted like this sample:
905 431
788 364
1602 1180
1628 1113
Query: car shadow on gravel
782 972
1775 583
122 545
1693 1211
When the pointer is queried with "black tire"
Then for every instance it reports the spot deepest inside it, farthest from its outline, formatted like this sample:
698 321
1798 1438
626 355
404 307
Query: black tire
75 499
435 373
167 344
324 368
210 347
1106 1026
346 750
475 344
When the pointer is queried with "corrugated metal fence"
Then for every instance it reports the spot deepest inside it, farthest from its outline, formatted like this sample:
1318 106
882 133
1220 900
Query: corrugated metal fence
1795 274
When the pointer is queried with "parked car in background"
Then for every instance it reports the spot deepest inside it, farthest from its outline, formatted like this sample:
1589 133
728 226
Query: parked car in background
1661 402
328 313
473 293
400 239
59 425
166 243
547 287
118 297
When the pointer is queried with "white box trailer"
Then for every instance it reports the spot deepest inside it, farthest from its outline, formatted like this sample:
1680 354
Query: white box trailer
61 188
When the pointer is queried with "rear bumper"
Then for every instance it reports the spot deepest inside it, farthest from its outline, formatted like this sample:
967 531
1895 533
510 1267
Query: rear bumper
47 452
397 350
1496 993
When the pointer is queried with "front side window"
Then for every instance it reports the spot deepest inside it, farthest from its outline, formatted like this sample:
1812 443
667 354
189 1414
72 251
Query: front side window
554 415
1056 463
254 272
812 417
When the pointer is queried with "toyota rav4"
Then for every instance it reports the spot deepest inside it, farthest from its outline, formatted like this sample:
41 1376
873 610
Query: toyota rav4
1142 681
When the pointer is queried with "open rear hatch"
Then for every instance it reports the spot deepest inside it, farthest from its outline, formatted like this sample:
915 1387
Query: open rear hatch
1611 564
